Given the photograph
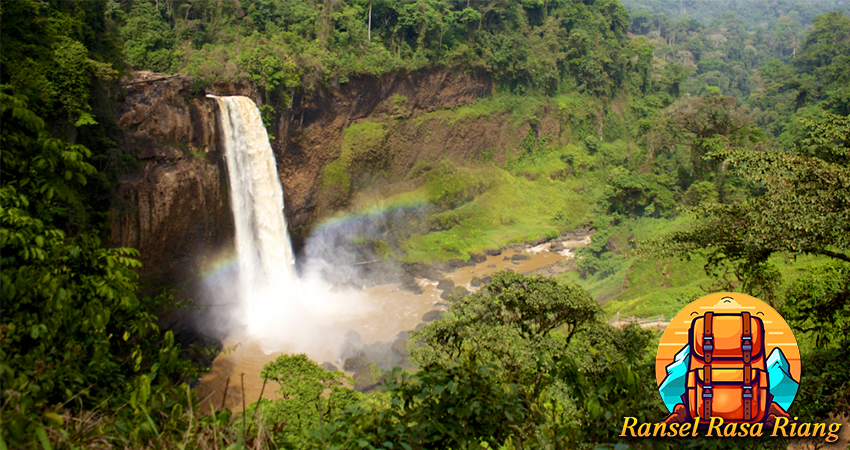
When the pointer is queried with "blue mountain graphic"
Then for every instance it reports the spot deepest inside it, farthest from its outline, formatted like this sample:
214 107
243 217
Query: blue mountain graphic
783 387
673 387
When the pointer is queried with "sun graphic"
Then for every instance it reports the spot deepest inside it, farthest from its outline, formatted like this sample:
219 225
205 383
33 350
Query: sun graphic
779 349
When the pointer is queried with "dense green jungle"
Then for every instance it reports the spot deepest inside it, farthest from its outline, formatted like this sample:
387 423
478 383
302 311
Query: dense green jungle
705 143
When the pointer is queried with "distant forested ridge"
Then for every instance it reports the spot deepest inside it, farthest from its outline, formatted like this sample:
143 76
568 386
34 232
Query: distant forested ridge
753 14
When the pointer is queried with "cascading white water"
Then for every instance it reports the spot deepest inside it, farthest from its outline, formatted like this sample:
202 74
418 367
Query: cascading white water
266 263
277 308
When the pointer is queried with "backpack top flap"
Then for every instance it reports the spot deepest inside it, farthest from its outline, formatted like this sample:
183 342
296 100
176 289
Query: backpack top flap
728 339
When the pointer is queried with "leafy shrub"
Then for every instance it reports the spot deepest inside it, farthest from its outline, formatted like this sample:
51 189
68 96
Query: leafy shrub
702 191
304 404
636 195
73 332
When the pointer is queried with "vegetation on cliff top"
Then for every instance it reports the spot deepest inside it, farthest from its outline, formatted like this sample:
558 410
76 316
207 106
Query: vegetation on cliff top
283 45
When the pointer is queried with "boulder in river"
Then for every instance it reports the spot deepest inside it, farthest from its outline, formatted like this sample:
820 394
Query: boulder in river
382 355
420 270
476 281
459 292
367 378
456 263
433 315
493 252
408 283
520 257
352 364
399 347
538 241
456 293
445 267
445 284
478 258
351 345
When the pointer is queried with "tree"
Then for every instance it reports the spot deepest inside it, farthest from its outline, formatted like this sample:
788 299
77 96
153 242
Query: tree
528 308
805 207
822 62
456 405
634 195
787 30
310 397
509 324
48 56
818 304
148 39
698 121
817 307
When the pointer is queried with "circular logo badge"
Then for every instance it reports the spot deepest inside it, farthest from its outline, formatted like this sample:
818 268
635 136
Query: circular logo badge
728 355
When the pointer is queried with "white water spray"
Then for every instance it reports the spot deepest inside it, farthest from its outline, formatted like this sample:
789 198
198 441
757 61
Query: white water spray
278 308
262 241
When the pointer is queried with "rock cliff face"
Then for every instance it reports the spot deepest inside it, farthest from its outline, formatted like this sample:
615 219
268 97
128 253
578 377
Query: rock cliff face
311 130
174 205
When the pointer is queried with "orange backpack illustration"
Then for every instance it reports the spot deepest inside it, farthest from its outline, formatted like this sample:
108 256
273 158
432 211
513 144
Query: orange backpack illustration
718 360
726 371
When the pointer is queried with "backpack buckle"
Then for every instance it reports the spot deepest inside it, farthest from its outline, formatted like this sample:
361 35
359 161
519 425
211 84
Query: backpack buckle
747 343
707 343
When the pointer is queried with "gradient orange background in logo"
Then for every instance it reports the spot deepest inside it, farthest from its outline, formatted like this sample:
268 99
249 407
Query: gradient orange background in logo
777 331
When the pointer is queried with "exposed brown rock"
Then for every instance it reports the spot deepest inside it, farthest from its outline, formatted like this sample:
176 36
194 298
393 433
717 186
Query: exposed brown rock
173 205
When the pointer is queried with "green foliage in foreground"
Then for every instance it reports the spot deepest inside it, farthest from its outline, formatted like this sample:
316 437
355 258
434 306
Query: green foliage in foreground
74 335
310 397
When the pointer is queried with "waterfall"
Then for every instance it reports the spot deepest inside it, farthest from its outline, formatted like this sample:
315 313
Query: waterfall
266 262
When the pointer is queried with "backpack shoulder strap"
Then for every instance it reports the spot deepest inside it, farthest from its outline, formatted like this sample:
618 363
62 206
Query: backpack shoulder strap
747 338
746 350
707 391
708 349
708 336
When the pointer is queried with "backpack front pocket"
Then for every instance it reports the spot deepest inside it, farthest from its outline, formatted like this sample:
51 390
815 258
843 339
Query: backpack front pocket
726 395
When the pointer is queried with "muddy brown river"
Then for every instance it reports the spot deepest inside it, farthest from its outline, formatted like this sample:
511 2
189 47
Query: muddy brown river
392 310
